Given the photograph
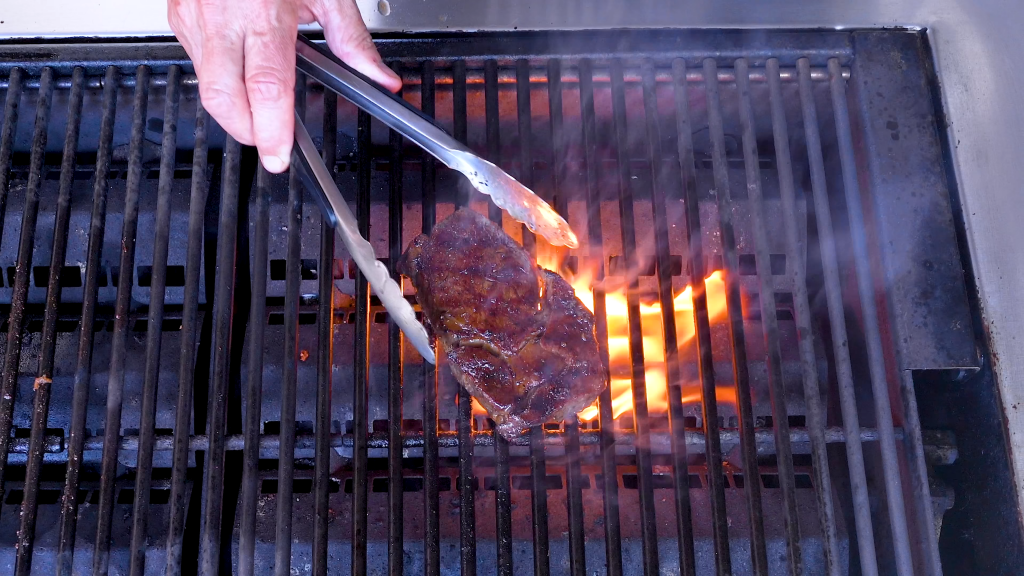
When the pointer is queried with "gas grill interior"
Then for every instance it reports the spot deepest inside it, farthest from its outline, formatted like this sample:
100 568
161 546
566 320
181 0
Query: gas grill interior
197 379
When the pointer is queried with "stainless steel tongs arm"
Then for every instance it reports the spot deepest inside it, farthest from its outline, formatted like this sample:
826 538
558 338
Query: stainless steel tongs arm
318 179
394 113
506 192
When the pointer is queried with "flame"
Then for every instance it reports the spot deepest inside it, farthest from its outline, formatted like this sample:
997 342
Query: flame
652 330
651 323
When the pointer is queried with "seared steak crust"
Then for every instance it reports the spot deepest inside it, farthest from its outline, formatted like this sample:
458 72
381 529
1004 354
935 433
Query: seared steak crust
515 335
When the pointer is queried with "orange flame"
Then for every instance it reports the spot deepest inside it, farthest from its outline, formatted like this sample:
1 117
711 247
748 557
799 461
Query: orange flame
652 330
651 323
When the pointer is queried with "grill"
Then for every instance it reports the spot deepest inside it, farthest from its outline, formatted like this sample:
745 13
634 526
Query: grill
197 379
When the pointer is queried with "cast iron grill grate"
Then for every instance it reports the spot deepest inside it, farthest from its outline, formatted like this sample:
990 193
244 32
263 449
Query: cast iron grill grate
239 402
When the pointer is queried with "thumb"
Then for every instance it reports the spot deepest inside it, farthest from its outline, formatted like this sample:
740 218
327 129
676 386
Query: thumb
349 39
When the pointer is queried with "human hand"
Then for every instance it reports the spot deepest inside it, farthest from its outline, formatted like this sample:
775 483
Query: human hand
244 56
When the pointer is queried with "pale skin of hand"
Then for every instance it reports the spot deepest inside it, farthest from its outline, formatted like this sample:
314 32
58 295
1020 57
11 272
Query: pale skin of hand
244 56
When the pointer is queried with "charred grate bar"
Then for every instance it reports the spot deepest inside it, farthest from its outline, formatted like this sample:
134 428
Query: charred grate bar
224 395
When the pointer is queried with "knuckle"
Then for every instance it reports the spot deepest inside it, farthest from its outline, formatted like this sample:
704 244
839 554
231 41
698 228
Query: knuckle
216 97
358 42
268 25
210 6
354 38
266 85
215 16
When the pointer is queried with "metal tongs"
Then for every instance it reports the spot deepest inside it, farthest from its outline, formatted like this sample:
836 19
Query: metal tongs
518 200
507 193
314 173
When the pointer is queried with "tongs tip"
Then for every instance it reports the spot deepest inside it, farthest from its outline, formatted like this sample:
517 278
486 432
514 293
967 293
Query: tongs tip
521 203
553 227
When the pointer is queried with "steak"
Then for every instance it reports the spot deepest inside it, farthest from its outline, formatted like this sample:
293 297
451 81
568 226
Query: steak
515 335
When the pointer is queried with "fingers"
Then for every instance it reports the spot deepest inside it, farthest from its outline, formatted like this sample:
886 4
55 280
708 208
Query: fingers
245 61
244 54
222 84
348 38
269 84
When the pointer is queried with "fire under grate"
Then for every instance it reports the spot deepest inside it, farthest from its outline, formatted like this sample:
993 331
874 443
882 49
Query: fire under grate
144 415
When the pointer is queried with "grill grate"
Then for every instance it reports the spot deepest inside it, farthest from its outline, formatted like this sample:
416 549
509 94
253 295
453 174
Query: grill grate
230 400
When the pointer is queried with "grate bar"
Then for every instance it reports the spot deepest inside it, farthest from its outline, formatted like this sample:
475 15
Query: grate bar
739 348
503 506
574 502
460 110
115 382
681 484
467 515
595 242
837 321
573 480
805 333
254 382
18 299
559 199
602 75
648 527
524 115
19 295
538 493
10 127
293 276
876 359
83 369
539 500
769 321
492 125
919 474
223 298
189 332
467 506
147 433
444 77
431 502
325 356
395 363
538 465
41 405
660 442
322 459
503 489
362 355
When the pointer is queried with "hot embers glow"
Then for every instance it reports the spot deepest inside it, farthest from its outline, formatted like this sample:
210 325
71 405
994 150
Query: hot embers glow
651 322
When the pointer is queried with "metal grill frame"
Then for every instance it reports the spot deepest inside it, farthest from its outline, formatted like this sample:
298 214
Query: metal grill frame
803 57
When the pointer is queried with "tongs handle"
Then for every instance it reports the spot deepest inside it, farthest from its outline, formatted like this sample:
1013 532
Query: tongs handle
393 111
369 81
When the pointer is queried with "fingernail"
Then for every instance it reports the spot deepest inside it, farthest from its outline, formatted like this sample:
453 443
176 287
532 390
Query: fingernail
273 164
